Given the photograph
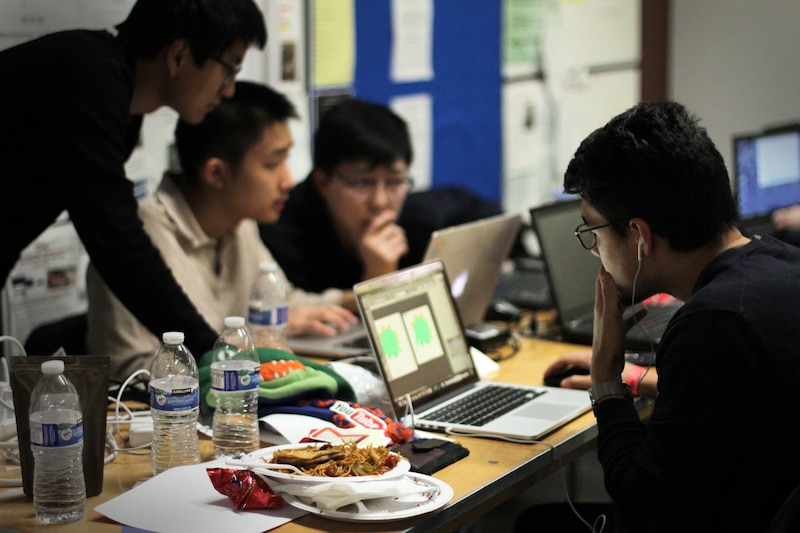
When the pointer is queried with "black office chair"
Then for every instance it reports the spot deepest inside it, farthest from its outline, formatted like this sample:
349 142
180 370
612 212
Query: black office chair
788 517
69 333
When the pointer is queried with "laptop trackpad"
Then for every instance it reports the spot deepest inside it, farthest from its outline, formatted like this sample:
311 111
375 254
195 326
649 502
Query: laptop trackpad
547 411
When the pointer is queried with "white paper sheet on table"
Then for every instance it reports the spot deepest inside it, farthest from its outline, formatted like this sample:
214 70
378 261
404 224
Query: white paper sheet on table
183 499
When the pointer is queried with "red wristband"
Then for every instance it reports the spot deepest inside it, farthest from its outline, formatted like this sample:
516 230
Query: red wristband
634 377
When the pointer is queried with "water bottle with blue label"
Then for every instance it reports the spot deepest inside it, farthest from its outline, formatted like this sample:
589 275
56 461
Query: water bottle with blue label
235 376
174 404
268 312
56 426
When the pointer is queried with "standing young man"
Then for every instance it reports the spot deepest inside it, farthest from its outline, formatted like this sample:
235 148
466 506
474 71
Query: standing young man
719 453
71 108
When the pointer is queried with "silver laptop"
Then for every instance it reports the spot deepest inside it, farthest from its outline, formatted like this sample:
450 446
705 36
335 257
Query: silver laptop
426 364
473 254
351 343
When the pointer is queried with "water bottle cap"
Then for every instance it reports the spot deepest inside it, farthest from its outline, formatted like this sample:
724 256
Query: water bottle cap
234 321
173 337
56 366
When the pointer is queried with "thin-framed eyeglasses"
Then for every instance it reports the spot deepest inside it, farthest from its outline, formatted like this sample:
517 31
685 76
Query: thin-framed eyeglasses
368 186
587 236
231 70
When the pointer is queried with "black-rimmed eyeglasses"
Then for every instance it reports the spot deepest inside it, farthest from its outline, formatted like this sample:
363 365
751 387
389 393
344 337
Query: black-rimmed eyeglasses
587 236
368 186
231 70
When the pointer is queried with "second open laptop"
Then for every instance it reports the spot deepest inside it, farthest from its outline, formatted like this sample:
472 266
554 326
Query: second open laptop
473 254
425 361
572 272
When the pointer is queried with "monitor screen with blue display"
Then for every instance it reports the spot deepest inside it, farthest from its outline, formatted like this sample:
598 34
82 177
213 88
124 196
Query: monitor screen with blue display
767 171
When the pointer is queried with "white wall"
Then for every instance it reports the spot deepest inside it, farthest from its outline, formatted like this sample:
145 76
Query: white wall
736 63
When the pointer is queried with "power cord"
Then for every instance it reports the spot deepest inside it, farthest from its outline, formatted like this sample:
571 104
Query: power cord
7 417
10 446
12 493
129 417
14 341
508 350
11 453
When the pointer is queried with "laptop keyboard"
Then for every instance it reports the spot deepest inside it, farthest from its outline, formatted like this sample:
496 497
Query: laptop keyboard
525 288
484 405
658 316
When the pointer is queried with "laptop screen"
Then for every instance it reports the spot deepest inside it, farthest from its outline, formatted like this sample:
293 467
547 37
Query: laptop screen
417 334
473 254
767 171
571 269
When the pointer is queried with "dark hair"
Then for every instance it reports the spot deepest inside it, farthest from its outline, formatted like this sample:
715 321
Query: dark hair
358 129
231 128
210 26
655 162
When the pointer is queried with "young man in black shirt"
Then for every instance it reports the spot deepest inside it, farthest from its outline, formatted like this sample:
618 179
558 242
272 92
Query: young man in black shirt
71 108
719 452
355 217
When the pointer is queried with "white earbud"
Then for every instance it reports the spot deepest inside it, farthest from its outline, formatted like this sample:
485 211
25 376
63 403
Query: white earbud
641 247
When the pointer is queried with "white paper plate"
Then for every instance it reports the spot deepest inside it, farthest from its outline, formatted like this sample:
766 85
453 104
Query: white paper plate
265 455
387 509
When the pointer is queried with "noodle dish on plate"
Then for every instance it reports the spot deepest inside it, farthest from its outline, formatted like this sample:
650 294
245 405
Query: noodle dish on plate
325 462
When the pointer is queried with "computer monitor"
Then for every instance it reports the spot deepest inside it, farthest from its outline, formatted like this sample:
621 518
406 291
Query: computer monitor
766 172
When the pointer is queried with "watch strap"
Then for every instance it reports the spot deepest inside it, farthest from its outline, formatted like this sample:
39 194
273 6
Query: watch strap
609 389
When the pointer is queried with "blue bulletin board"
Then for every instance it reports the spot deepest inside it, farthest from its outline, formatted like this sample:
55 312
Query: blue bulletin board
465 89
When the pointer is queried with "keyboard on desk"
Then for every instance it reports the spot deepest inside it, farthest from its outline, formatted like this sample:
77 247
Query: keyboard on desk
483 406
657 320
528 288
658 316
646 333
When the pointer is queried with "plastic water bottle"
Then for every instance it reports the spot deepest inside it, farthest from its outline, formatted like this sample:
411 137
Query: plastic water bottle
269 312
235 375
56 425
174 404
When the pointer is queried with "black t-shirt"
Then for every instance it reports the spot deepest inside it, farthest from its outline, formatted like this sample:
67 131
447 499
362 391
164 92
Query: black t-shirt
719 452
65 135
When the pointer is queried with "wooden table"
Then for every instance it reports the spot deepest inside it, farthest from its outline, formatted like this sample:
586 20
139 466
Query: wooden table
493 472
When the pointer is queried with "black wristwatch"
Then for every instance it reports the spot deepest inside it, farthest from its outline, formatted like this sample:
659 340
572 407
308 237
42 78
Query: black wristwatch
610 389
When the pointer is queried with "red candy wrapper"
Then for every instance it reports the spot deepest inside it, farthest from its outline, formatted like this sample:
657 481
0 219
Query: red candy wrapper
246 489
